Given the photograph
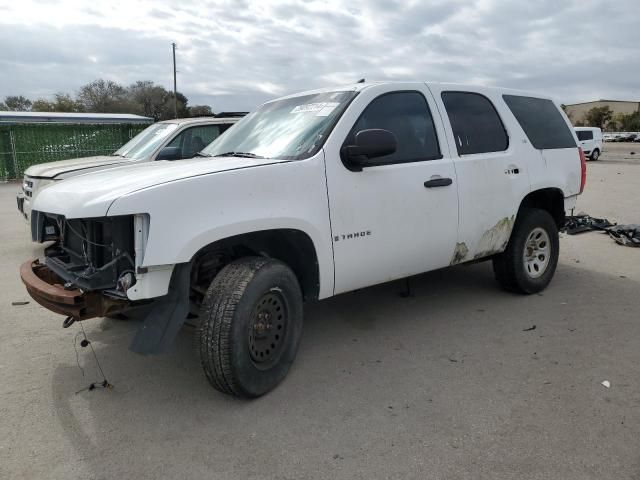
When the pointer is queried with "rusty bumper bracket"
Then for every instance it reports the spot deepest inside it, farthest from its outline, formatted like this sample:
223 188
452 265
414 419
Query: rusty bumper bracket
46 288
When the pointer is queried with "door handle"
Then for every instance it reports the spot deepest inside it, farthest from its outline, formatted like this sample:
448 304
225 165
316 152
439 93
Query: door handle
438 182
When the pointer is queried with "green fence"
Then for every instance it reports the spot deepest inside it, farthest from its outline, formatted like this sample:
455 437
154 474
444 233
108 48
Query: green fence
28 144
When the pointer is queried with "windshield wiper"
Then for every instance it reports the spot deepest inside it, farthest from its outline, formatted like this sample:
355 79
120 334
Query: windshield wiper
200 154
238 154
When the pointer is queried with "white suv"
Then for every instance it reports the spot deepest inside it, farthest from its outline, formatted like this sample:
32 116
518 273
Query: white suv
167 140
310 196
590 139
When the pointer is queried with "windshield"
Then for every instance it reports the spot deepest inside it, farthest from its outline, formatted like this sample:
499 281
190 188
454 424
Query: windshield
291 129
146 141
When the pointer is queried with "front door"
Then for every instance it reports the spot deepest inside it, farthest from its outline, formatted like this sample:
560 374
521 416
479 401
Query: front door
399 216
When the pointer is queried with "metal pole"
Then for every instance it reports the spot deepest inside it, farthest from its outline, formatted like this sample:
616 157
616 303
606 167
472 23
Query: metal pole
175 89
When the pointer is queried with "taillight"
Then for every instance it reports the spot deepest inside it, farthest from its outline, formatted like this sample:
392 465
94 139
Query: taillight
583 168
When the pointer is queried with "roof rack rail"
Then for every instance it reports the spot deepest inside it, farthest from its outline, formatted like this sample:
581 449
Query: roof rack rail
230 114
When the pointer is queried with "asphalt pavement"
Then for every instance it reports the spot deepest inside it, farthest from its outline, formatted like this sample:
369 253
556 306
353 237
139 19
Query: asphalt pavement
452 382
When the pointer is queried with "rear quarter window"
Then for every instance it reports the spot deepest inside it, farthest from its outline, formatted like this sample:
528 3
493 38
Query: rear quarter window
541 121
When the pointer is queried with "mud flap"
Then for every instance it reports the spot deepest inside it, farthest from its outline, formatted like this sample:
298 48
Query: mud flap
167 316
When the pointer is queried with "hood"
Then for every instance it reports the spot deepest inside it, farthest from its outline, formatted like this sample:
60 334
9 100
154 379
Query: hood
91 194
55 169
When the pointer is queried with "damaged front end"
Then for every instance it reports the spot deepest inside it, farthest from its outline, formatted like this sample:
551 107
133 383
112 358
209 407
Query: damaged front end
87 269
92 264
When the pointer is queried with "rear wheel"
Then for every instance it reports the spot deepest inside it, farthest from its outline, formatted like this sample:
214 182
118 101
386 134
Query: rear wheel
251 321
529 262
595 155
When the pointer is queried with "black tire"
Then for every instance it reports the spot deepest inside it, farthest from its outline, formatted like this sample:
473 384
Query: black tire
595 155
509 267
251 322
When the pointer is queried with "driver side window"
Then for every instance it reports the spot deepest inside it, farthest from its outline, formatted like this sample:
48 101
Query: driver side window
407 116
194 139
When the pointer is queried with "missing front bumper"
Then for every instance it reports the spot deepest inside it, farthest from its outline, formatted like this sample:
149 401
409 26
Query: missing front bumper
47 288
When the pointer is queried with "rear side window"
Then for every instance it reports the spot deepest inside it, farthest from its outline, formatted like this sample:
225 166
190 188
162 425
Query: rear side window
585 135
476 125
541 121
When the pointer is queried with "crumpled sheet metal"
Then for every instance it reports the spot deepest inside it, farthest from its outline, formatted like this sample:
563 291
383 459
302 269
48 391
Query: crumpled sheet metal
627 235
582 222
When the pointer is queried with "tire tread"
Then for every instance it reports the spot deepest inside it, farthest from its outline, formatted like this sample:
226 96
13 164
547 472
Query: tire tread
214 338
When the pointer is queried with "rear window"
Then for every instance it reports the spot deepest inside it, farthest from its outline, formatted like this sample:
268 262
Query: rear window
541 121
476 125
585 135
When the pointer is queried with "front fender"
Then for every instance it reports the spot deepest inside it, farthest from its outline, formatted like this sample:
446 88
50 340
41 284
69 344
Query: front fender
189 214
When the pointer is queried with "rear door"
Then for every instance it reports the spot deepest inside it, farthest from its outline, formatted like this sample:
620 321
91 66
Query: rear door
490 166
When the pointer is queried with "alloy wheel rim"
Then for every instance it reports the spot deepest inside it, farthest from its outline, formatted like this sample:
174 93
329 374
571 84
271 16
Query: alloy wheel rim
537 250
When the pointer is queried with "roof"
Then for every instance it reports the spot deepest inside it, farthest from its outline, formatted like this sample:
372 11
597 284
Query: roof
64 117
603 101
230 114
360 86
209 120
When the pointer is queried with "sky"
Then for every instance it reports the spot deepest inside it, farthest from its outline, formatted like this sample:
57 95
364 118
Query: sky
236 54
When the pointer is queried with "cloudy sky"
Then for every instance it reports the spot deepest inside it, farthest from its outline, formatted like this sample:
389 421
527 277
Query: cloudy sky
235 54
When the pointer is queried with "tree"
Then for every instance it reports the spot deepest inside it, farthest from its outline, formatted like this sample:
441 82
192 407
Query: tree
183 110
42 105
148 99
599 116
17 103
103 96
200 111
64 103
151 100
613 125
630 122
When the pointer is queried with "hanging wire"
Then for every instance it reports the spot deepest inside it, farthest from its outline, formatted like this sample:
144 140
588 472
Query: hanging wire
85 342
84 238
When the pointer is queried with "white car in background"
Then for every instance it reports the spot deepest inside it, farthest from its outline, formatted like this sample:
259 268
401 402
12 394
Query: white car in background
590 139
168 140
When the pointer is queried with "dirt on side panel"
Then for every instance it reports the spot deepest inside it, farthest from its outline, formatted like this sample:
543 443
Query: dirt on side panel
496 238
459 254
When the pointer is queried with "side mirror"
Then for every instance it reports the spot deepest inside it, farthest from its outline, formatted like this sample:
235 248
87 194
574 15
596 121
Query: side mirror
369 144
169 153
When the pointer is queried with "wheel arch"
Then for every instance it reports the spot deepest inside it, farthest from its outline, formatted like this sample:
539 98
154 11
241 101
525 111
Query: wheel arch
549 199
293 247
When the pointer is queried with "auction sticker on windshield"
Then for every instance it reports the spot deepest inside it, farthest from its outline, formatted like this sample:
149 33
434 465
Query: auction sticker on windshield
322 109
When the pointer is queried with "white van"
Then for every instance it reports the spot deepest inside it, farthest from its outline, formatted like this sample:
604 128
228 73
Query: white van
590 139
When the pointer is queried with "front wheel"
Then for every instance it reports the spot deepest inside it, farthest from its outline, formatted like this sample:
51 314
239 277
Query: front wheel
529 262
251 322
595 155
